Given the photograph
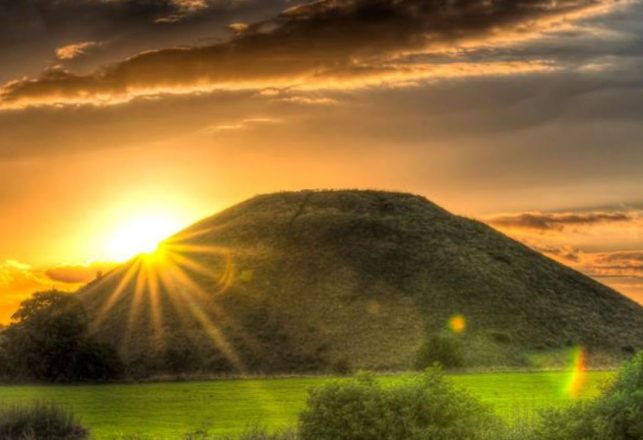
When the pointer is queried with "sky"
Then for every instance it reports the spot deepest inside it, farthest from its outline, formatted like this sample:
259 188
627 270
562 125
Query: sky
123 121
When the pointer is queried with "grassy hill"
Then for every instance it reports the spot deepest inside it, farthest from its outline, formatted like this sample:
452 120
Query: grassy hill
330 280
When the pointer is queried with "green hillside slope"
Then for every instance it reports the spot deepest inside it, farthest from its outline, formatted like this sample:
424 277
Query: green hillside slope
329 280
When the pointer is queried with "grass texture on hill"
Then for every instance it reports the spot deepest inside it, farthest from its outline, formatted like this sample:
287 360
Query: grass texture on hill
166 411
346 280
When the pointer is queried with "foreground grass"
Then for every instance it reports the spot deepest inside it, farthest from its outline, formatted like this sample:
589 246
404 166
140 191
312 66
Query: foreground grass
169 410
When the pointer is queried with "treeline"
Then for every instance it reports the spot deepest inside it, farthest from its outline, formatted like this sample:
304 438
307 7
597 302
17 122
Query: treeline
49 340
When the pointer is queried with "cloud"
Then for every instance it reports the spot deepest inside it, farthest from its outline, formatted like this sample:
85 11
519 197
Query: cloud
564 253
538 221
622 270
602 231
309 100
326 43
635 257
600 264
19 277
240 125
239 27
75 50
78 274
615 264
31 30
19 280
184 8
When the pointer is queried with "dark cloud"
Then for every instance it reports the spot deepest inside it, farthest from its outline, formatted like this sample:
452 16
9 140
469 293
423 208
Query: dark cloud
312 44
32 30
559 221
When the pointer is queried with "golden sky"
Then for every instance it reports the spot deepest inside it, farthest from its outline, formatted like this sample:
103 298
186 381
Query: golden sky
123 121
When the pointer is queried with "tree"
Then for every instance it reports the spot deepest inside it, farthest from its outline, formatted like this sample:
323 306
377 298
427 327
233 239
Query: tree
49 340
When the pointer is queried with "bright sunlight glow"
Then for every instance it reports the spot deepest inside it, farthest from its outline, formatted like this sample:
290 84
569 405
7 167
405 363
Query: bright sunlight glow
139 235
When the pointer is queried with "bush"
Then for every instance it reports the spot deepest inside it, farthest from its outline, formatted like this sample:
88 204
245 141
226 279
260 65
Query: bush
250 433
341 367
622 404
440 349
421 408
616 415
258 433
39 421
500 337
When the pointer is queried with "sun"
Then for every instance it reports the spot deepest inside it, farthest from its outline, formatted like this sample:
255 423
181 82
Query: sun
140 235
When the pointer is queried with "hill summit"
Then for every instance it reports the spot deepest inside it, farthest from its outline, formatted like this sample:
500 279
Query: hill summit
334 280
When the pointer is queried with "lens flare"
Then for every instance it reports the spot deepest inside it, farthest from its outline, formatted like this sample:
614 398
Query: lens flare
577 375
457 324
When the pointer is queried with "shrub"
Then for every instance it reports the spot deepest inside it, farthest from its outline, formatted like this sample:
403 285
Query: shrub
341 367
515 431
258 433
440 349
41 421
421 408
500 337
620 408
250 433
616 415
576 421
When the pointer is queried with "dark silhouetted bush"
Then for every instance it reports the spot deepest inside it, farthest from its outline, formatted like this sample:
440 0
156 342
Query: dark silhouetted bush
445 350
341 367
421 408
39 421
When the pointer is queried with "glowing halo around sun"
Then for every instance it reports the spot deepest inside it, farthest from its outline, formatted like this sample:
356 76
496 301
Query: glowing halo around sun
139 235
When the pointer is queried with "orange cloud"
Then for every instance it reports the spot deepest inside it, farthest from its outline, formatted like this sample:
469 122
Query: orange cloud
622 270
19 280
241 125
75 50
78 274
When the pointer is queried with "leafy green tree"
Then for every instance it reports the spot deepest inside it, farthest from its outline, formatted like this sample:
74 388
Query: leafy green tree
49 340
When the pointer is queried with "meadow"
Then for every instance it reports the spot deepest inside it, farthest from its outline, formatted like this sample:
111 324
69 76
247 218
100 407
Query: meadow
168 410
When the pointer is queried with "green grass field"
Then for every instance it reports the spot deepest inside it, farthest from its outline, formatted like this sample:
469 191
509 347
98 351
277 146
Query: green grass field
169 410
